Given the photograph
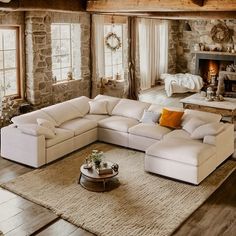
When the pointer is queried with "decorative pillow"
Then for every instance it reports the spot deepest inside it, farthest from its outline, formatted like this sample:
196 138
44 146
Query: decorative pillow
98 107
171 119
207 129
192 124
150 117
36 130
47 124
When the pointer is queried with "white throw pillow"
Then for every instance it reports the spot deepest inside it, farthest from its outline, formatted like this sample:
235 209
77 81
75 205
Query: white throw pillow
98 107
47 124
36 130
193 124
207 129
150 117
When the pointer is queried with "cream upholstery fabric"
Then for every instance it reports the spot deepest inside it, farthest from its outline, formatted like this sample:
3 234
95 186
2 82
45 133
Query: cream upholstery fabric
79 125
208 117
178 134
188 152
61 136
63 112
207 129
117 123
81 103
149 131
111 101
130 108
192 124
98 107
31 118
95 117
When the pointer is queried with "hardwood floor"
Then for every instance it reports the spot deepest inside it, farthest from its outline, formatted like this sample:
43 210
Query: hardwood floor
20 217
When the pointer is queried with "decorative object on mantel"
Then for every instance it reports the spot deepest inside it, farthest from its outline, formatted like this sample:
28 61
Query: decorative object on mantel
69 76
112 41
220 33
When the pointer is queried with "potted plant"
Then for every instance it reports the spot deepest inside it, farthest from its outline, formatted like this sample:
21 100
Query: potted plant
96 157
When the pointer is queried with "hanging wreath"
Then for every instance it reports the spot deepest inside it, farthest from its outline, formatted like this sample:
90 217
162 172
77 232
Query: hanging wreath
220 33
112 41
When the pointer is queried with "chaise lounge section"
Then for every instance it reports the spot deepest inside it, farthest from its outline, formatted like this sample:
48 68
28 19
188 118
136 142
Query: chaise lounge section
81 121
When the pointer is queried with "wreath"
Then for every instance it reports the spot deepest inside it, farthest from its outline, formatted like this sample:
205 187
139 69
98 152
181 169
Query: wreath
220 33
112 41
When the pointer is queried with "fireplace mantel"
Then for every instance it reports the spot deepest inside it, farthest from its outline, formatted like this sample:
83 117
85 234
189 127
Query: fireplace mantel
211 55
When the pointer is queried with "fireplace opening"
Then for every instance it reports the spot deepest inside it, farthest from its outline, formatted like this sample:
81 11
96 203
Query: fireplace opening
209 70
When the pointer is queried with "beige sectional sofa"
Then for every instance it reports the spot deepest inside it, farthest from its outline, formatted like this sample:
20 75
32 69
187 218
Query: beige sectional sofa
169 152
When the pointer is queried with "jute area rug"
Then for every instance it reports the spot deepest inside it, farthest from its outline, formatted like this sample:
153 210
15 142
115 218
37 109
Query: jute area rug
143 204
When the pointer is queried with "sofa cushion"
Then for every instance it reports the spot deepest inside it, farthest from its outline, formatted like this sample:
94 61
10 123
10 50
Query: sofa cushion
62 112
208 117
79 126
61 136
178 134
117 123
192 124
130 108
184 151
150 117
95 117
47 124
31 118
81 103
149 131
36 130
98 107
171 119
207 129
111 101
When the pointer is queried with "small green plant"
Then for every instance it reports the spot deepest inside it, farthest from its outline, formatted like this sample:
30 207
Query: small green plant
96 157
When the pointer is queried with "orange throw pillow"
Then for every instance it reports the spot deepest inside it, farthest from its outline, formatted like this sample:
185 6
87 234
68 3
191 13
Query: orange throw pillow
171 119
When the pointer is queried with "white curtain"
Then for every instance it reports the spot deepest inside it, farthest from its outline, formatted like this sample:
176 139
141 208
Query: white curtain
97 52
153 50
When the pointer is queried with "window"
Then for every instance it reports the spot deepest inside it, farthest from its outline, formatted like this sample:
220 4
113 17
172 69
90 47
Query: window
114 59
9 61
65 51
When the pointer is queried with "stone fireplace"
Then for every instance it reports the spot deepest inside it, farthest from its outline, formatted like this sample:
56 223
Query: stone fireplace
209 64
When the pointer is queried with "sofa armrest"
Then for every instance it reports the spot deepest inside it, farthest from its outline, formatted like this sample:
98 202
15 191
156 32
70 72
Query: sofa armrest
23 148
224 142
220 138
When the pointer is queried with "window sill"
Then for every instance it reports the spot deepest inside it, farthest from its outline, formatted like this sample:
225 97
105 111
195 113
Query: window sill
66 82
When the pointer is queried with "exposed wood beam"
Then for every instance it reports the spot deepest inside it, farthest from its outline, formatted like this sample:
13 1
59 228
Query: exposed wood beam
60 5
179 15
160 5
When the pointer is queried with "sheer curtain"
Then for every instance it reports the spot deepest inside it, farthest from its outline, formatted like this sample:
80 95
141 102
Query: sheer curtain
98 70
153 50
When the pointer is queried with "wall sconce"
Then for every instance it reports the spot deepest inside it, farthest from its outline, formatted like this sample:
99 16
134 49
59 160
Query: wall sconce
187 27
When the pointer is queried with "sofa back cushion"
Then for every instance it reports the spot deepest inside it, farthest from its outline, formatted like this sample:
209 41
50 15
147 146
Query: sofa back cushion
207 117
62 112
82 104
130 108
31 118
111 101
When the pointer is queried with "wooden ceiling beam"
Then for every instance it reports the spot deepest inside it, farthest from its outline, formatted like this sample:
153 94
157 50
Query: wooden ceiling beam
179 15
59 5
160 5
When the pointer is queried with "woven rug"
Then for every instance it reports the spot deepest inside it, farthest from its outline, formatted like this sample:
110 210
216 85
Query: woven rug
143 204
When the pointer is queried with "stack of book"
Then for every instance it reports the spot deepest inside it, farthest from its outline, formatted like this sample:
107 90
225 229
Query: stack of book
104 170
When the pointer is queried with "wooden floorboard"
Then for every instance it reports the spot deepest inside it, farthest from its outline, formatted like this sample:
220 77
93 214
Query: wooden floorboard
20 217
217 216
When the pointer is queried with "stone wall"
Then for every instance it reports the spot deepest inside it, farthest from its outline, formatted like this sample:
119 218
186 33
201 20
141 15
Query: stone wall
200 33
41 91
173 27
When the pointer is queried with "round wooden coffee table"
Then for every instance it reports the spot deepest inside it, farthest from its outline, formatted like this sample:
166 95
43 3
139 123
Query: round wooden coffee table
92 181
